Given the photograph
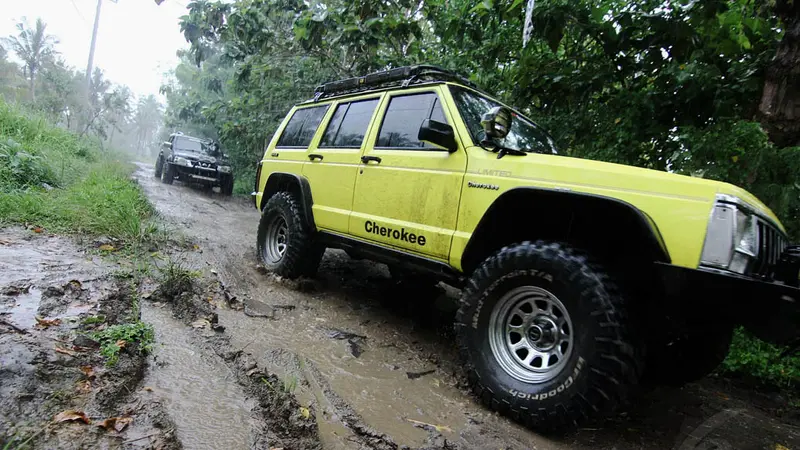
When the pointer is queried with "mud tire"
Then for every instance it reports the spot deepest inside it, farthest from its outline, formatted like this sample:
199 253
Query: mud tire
604 367
159 167
226 187
302 255
694 354
168 175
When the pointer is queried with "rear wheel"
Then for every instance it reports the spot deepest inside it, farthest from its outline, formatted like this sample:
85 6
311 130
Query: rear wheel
545 336
285 243
168 175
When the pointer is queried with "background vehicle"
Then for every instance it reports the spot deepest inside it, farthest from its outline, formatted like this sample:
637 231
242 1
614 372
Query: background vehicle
581 278
194 160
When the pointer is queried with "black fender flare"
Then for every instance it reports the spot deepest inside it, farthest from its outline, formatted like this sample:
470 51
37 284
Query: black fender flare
654 243
299 185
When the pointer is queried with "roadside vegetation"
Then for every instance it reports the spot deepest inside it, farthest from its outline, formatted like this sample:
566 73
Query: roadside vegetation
54 180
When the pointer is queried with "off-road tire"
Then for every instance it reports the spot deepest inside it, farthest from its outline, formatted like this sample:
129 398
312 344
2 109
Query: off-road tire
603 369
168 175
159 167
302 255
226 187
694 354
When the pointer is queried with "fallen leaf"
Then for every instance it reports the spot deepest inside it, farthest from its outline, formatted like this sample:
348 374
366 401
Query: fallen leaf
4 242
85 386
44 323
116 423
305 412
107 248
75 284
147 388
201 323
196 247
65 351
88 371
121 343
780 447
438 428
71 415
38 229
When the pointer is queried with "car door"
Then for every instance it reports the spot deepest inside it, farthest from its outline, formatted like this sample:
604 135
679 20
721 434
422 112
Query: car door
407 192
334 160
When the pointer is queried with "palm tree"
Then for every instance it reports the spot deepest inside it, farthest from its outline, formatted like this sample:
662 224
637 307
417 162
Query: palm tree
32 46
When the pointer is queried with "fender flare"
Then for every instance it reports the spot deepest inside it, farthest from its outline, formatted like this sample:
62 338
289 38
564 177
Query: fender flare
278 181
655 243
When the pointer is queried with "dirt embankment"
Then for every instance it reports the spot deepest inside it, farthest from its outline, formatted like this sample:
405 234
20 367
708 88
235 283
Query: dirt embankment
55 389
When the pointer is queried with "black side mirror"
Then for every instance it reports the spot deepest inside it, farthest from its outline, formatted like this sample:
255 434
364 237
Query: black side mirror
497 122
438 133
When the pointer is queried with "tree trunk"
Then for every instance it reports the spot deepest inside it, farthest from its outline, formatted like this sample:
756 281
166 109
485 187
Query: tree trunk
779 110
33 85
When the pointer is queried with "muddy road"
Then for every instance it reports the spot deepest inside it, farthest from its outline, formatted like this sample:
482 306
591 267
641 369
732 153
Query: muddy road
378 364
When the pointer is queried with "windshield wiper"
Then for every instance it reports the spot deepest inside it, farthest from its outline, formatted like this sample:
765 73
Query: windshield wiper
500 150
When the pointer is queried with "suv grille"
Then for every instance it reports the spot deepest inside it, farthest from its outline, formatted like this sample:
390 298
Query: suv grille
771 243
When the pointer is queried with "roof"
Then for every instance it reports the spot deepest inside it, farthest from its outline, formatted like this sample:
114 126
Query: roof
400 77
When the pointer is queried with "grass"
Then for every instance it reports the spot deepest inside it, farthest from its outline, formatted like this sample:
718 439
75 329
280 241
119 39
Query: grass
753 359
53 179
114 338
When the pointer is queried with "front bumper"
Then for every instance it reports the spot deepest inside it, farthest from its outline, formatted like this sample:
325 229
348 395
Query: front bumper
770 310
200 175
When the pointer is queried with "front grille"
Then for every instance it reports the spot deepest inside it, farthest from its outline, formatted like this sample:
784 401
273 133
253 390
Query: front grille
771 243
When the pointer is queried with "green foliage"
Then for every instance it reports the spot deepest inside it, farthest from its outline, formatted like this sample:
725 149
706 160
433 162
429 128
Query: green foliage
116 337
21 170
95 196
175 279
752 358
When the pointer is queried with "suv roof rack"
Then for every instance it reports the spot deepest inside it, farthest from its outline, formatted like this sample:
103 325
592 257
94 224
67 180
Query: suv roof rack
401 76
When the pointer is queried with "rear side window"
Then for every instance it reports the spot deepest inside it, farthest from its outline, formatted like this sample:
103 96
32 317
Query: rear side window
302 126
349 124
403 119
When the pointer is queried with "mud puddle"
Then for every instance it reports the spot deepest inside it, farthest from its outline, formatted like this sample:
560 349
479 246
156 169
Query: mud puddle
201 392
377 363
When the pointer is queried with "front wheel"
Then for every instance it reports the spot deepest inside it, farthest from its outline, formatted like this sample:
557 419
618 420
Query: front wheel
226 187
285 243
168 175
159 167
546 338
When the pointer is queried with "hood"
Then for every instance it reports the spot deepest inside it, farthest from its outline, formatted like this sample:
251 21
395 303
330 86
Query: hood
604 175
202 157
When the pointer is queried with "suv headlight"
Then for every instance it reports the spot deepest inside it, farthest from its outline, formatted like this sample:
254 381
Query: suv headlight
731 238
182 161
224 169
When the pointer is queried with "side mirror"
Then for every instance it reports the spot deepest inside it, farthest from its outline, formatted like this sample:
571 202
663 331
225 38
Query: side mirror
439 134
166 145
497 122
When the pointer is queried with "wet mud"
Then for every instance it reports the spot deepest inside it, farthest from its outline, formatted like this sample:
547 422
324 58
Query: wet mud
55 388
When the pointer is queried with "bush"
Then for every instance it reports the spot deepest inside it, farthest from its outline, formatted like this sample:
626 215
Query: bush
116 337
95 196
753 359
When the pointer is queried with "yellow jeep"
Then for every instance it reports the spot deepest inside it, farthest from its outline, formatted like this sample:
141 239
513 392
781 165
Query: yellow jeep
570 268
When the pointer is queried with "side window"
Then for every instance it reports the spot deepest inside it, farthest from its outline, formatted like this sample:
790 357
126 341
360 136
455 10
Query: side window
403 118
302 126
349 124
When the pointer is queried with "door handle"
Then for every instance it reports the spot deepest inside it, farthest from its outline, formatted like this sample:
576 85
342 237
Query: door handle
313 156
366 159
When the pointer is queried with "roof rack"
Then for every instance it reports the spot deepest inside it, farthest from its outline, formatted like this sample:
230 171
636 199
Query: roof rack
401 76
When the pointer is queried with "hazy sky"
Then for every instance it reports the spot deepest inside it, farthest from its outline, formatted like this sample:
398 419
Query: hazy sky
136 42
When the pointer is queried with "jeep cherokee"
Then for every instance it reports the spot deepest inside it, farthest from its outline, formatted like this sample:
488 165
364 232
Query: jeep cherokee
581 279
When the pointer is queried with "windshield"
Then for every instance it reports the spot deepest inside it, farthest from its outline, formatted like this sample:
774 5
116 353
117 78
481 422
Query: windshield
524 136
192 145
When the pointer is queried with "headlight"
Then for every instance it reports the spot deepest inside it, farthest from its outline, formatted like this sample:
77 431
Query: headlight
731 238
182 161
224 169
